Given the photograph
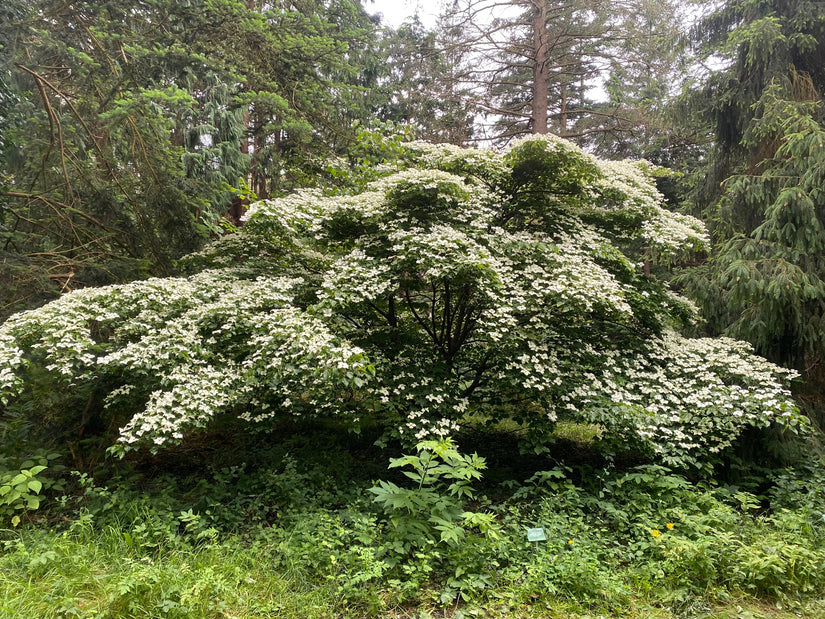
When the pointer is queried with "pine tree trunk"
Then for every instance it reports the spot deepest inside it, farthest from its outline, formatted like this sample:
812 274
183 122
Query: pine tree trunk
563 105
540 67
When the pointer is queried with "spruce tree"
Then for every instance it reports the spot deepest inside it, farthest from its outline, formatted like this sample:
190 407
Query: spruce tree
762 189
756 192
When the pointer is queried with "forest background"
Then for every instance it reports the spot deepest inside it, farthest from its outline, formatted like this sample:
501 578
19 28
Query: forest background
148 145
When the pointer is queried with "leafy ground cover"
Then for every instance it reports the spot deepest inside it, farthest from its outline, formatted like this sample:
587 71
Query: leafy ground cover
302 527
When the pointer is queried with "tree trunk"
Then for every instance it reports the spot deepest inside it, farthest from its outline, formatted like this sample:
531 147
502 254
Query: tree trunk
563 105
540 67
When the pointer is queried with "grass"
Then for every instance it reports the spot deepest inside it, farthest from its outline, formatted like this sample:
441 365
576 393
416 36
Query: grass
579 433
87 574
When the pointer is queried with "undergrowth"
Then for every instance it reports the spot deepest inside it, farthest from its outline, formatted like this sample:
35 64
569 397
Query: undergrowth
315 525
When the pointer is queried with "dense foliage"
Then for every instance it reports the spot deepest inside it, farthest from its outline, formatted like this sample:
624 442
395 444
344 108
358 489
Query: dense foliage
761 189
420 303
421 79
291 532
510 286
130 129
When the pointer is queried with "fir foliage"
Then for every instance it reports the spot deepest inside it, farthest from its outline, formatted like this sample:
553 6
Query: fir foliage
762 194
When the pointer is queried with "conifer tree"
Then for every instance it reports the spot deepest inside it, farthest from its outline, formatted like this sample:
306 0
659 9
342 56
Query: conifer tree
534 66
763 198
422 83
137 123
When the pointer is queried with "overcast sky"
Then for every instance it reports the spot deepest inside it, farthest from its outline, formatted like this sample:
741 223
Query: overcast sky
396 11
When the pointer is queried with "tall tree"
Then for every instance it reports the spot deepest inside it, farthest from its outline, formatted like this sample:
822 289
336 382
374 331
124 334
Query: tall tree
309 81
139 121
420 83
757 45
643 75
763 194
535 64
531 61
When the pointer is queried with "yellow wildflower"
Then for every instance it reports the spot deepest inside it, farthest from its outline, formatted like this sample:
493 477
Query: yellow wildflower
669 525
655 533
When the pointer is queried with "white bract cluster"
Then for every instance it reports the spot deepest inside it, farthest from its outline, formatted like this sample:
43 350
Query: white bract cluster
481 163
502 285
685 395
11 361
666 234
177 352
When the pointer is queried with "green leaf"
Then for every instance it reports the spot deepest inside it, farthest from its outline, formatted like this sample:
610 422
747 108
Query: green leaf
18 479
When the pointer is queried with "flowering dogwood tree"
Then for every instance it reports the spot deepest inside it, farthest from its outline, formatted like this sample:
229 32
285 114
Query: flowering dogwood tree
503 285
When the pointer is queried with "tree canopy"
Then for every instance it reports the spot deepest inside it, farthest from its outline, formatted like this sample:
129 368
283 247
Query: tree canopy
129 128
541 65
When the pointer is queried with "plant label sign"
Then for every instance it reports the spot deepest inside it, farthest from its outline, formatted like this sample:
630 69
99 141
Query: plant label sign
536 535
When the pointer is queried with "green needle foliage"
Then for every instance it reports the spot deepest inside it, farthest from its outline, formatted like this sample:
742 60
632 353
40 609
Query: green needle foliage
769 285
130 128
762 197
